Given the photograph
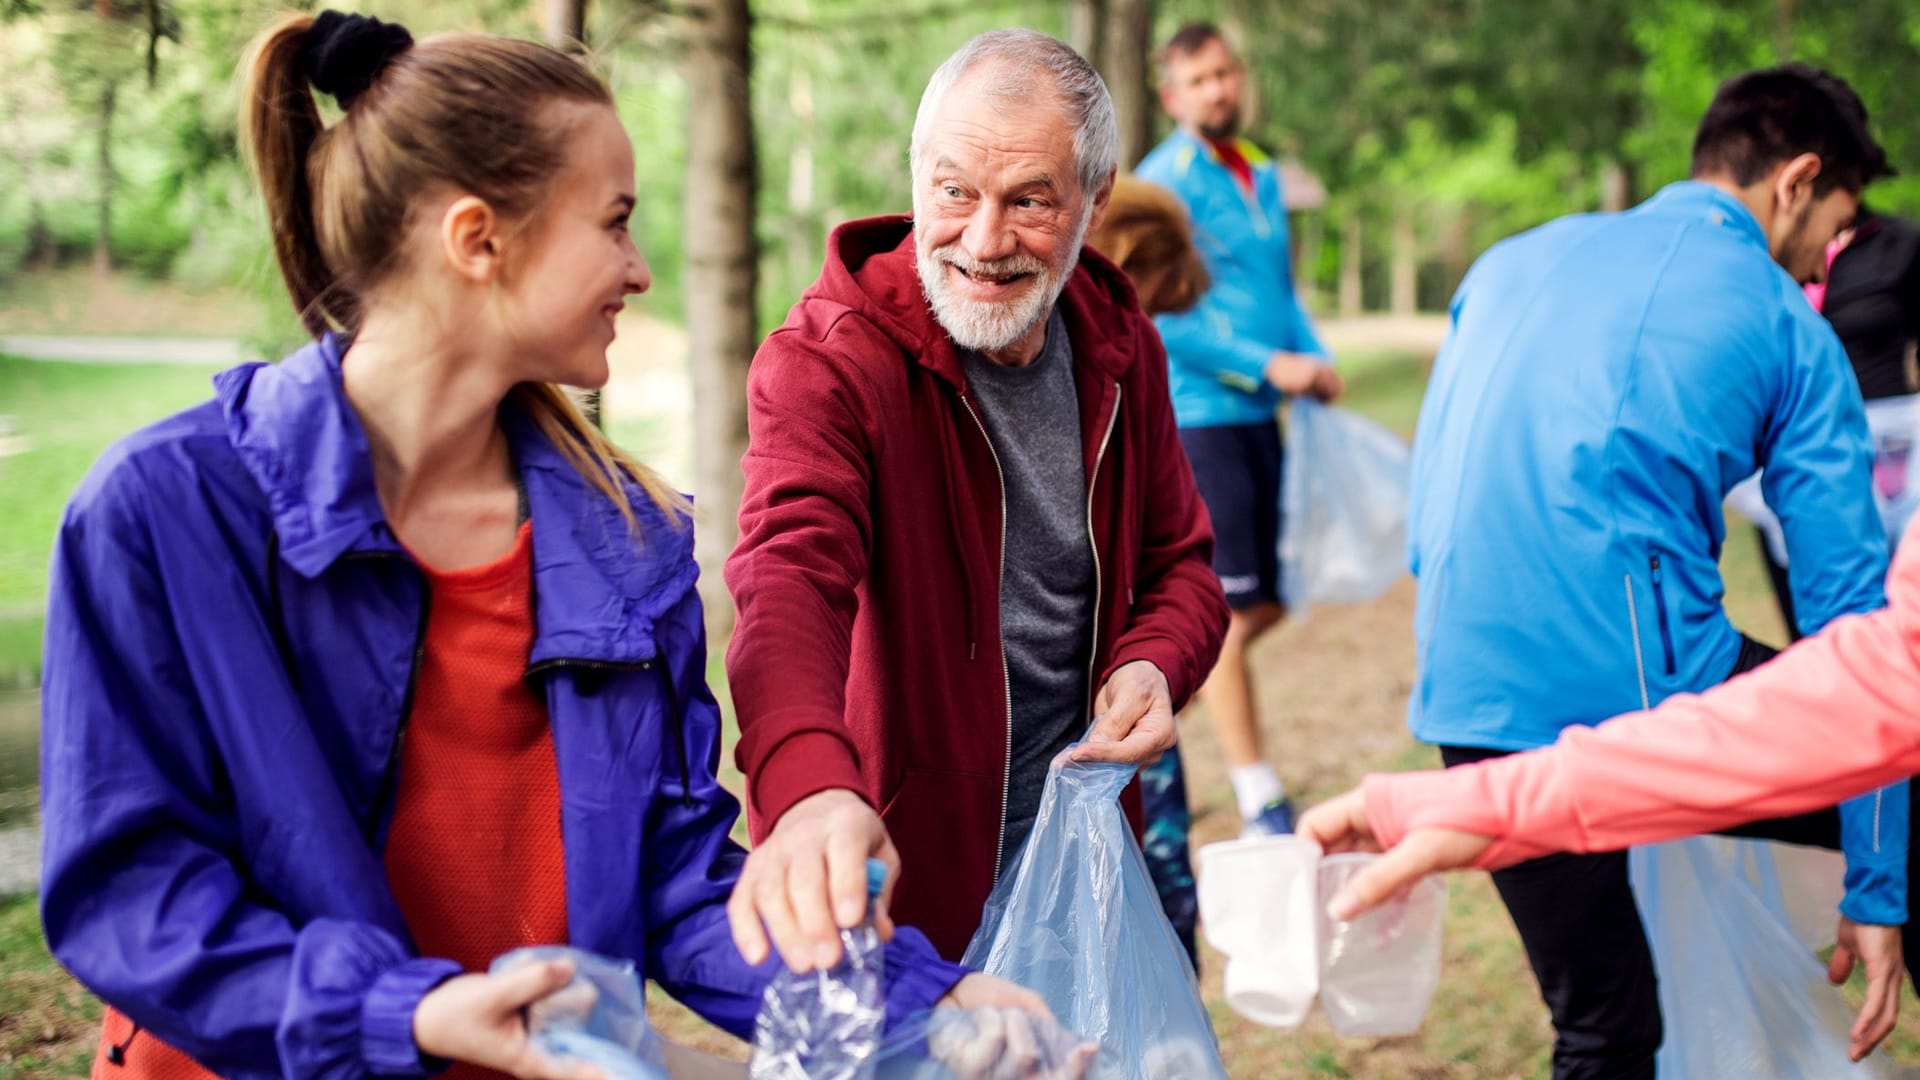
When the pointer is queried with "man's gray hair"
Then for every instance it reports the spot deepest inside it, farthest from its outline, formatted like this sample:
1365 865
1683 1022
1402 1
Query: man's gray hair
1007 62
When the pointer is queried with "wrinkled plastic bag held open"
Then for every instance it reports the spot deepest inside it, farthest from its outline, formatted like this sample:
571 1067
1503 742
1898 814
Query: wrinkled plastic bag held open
1343 532
600 1017
1740 992
1075 918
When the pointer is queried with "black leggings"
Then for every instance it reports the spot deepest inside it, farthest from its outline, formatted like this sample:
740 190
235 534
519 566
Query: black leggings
1578 920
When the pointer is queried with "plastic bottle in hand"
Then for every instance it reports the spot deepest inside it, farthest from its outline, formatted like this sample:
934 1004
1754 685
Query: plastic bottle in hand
825 1025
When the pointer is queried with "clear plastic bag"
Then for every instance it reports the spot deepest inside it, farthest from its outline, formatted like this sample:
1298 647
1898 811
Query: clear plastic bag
1075 918
1740 994
1343 532
600 1017
1378 972
825 1024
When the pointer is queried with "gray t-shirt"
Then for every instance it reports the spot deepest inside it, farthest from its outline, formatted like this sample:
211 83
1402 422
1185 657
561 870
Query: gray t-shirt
1032 416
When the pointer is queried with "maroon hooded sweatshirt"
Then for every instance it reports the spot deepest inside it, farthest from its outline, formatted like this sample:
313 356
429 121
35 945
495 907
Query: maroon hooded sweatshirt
867 650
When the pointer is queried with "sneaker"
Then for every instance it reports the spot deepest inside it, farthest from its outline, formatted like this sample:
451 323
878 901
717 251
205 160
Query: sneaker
1274 819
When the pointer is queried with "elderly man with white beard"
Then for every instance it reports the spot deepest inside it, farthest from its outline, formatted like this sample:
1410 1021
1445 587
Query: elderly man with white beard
969 536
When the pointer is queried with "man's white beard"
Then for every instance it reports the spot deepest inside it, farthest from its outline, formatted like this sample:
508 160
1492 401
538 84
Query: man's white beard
992 325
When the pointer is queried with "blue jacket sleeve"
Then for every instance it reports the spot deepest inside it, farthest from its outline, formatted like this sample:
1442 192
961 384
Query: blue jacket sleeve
1201 339
143 899
1818 465
693 865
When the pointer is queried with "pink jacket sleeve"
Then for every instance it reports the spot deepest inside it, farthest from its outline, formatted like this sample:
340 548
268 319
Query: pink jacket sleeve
1835 716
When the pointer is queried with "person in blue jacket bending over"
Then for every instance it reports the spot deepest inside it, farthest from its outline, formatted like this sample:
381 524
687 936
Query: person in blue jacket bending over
384 662
1606 379
1233 357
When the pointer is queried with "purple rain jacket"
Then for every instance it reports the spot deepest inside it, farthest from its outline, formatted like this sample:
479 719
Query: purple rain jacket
231 641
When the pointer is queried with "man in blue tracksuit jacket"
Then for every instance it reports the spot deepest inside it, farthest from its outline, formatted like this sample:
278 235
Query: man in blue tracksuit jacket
1606 380
1231 357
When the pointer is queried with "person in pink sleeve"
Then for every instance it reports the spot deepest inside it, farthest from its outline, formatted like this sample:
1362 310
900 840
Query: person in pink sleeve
1834 716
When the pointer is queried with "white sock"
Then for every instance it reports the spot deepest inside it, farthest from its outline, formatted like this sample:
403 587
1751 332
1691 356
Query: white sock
1254 786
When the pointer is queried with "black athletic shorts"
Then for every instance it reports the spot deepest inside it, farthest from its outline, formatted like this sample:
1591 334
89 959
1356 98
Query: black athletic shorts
1237 468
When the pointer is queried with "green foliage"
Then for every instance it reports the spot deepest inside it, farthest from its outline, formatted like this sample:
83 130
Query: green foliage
1482 116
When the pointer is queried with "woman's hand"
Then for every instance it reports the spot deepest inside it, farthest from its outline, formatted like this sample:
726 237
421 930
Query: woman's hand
1341 825
481 1020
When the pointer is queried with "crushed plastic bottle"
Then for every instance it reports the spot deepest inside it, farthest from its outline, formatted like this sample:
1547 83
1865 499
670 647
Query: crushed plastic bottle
825 1025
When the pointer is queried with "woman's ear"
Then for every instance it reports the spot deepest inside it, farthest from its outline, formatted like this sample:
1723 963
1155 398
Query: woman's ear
470 239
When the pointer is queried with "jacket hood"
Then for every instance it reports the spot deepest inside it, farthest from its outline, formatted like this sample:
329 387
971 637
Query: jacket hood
596 596
870 269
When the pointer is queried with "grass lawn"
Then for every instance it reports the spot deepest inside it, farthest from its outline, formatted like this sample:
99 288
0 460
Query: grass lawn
66 414
47 1022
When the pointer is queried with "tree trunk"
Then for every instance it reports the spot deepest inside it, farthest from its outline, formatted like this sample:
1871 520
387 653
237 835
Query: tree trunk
1783 30
564 24
103 226
1403 295
721 275
1086 28
1128 40
804 237
1456 242
1352 259
1310 236
1616 186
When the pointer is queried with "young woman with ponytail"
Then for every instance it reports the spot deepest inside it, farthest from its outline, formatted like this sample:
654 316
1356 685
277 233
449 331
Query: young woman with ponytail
384 662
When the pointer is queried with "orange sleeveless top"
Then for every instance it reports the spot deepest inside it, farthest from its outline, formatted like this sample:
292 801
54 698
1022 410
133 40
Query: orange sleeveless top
474 854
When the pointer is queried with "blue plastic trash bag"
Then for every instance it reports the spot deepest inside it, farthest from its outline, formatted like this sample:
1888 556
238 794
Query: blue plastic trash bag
1075 918
1343 505
600 1017
1740 993
825 1025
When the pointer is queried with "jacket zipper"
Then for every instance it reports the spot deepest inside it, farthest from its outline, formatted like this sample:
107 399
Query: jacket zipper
1633 628
676 719
390 779
1660 608
545 666
1093 545
1250 196
1006 680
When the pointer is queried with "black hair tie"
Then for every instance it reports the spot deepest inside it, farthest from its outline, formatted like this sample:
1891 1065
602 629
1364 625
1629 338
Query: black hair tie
343 53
